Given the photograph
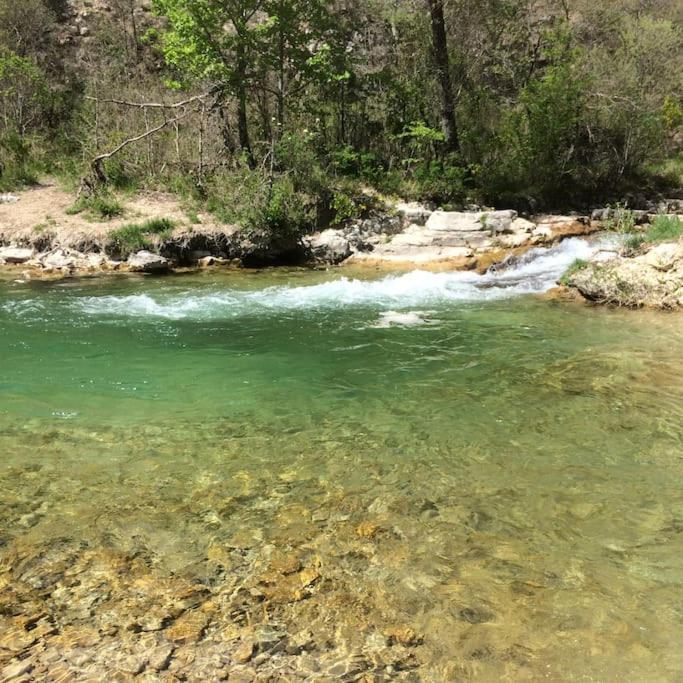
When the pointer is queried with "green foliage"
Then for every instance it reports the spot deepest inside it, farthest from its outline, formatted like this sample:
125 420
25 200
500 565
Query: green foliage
663 228
285 211
672 112
420 132
344 208
17 167
443 183
135 237
575 267
552 112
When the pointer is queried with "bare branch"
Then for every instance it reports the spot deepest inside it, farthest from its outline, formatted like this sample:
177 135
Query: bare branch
151 105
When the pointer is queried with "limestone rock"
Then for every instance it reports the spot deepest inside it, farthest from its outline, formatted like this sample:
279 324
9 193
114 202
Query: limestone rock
455 221
654 279
244 652
553 228
15 671
330 246
413 213
61 259
147 262
16 255
663 256
499 221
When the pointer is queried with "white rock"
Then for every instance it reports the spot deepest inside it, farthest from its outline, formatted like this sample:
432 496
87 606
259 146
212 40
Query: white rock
330 245
61 258
498 221
455 221
518 239
16 254
663 256
147 262
522 225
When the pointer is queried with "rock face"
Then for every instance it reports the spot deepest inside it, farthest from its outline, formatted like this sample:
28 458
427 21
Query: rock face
146 262
264 248
653 279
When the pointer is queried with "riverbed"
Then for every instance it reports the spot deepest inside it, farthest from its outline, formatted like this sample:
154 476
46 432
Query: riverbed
299 475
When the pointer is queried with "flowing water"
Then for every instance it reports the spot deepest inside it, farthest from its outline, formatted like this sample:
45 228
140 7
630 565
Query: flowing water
296 475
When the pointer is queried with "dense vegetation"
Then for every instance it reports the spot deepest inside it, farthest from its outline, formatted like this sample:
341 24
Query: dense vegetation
282 113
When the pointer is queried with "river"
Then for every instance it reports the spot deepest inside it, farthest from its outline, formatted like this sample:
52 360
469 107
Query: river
329 475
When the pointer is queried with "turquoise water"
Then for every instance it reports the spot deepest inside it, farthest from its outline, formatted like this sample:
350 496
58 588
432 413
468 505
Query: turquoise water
496 475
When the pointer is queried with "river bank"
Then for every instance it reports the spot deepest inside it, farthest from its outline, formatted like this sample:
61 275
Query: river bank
43 238
40 232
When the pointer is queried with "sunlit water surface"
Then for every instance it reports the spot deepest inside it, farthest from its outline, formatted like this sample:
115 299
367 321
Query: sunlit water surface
493 477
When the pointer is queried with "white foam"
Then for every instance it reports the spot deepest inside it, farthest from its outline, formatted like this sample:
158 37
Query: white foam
407 319
537 271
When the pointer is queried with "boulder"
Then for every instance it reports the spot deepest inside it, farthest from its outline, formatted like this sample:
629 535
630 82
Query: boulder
62 259
499 221
16 255
521 225
207 261
262 247
147 262
331 246
551 228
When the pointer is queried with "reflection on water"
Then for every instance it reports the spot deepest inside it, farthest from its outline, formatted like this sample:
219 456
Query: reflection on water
337 492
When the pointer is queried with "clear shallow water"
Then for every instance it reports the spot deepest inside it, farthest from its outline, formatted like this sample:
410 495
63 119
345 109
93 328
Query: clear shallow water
422 477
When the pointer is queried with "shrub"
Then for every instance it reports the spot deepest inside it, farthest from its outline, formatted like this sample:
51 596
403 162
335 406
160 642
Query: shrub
344 208
621 220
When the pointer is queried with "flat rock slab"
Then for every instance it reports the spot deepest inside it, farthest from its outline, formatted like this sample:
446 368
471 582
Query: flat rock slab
16 254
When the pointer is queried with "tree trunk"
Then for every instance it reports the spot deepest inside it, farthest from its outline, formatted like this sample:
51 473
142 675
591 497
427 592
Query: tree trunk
242 121
443 69
281 82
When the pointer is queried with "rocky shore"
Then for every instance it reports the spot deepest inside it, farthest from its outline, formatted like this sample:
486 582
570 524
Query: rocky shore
652 279
400 235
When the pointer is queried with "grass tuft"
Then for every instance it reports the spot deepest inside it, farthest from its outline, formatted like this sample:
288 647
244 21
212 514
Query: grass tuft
137 236
104 207
663 228
575 267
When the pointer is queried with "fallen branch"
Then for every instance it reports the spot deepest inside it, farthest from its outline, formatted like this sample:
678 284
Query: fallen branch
97 176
